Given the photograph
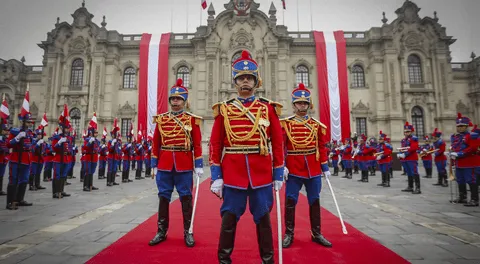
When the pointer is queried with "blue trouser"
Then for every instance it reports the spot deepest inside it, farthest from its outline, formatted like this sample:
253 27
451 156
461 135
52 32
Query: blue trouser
313 186
355 163
404 166
385 167
3 167
260 201
82 168
48 166
112 166
441 166
363 165
347 164
126 165
148 163
139 165
102 164
427 164
60 171
167 180
90 167
37 168
411 167
467 175
373 163
335 163
18 174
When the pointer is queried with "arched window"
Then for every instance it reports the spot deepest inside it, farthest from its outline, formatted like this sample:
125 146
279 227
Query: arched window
415 69
75 116
301 75
129 78
358 76
417 121
184 74
76 78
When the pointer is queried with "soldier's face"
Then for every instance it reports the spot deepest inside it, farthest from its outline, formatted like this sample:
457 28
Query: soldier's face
245 85
407 133
177 104
301 107
381 140
5 132
461 129
95 134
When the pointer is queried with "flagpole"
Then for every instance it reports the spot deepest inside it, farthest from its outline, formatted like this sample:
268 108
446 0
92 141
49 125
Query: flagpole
298 18
186 4
171 18
283 13
311 16
201 15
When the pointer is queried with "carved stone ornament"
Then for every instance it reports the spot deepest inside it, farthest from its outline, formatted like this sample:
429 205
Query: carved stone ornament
82 18
462 108
80 45
242 7
360 107
408 12
126 110
413 40
242 39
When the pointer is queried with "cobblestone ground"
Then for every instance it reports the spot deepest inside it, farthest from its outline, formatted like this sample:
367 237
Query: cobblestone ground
423 228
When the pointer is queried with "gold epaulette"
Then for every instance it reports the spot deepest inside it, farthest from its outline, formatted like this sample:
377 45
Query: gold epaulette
324 127
278 106
216 108
198 119
158 118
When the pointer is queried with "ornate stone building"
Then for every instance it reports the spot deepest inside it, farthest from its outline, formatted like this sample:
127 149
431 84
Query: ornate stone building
398 71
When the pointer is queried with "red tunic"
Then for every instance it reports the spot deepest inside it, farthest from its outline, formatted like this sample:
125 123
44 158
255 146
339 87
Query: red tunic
347 152
410 153
60 149
12 143
306 153
439 145
246 160
177 142
91 150
387 153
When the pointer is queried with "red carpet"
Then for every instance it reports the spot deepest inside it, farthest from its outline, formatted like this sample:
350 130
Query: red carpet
355 247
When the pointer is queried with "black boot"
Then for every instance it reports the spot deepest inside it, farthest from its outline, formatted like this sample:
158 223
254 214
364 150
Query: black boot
124 176
86 183
37 182
315 224
55 194
11 204
444 180
462 194
410 185
473 195
355 169
162 222
128 176
373 171
227 238
289 223
429 173
2 193
265 239
62 186
384 176
365 179
349 173
31 182
90 180
391 172
187 209
387 180
362 174
335 171
417 190
22 189
112 179
439 180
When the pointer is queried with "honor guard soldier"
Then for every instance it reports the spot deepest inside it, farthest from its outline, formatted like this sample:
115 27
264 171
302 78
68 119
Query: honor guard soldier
347 158
467 165
127 150
384 158
148 158
92 147
38 152
334 152
440 159
102 160
60 143
242 130
306 161
425 153
83 158
20 141
176 153
4 152
48 167
112 155
372 167
410 158
363 152
139 156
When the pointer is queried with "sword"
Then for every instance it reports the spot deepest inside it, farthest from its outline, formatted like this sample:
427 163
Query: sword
190 230
344 228
279 226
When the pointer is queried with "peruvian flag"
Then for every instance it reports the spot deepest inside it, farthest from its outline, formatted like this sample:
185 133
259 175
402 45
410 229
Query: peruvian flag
150 135
64 119
204 3
283 4
153 78
25 105
331 53
105 133
4 112
131 129
93 121
44 122
84 133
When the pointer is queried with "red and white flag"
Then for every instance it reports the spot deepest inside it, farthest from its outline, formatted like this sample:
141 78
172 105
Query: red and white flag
331 53
25 105
64 119
283 4
105 133
204 3
4 112
153 78
44 122
150 135
93 121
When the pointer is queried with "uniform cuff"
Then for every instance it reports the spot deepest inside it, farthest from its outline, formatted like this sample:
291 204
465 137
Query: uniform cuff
154 162
199 163
325 167
460 154
278 174
216 172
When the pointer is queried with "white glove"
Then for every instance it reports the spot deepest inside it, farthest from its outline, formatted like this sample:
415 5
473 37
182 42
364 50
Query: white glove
277 185
103 146
357 151
285 173
199 172
453 155
92 139
379 157
424 150
327 174
20 135
401 155
40 142
114 141
154 172
129 145
217 187
150 148
63 139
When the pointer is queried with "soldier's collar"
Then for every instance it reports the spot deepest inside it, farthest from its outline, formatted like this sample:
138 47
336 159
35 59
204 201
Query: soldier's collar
246 100
303 117
176 113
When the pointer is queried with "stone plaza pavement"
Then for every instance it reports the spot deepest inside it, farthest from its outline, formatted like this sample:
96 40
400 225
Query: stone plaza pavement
422 228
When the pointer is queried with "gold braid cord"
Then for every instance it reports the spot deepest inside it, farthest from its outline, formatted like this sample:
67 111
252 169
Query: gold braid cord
177 129
304 142
229 114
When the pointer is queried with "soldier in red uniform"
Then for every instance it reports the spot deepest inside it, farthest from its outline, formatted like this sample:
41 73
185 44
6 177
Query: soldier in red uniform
38 152
467 164
425 152
176 153
102 159
4 152
61 143
92 147
242 130
127 150
364 153
113 152
440 158
383 157
306 161
410 158
334 152
139 157
346 151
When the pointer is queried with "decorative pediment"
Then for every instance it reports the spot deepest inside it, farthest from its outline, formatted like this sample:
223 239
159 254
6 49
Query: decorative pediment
182 63
303 62
126 110
413 40
241 7
82 18
360 107
408 13
242 39
462 108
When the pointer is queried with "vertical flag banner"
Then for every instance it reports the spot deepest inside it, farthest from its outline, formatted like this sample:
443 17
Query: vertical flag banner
203 3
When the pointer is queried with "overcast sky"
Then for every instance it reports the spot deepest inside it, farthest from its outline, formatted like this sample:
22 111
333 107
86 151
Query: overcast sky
24 23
